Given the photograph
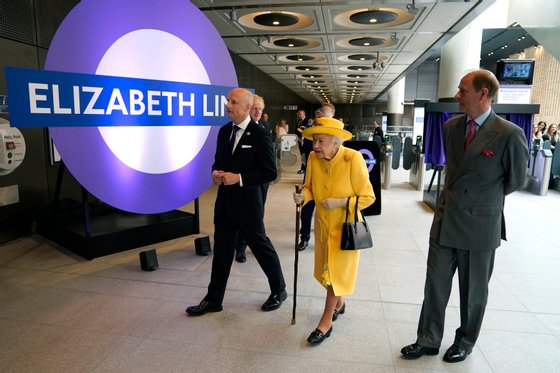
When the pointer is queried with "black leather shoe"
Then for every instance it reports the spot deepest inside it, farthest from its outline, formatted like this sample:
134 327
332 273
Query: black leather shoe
240 255
301 172
274 301
302 245
317 336
203 308
454 354
339 312
415 350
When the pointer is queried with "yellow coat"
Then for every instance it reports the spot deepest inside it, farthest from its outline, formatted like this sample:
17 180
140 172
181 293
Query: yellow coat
345 175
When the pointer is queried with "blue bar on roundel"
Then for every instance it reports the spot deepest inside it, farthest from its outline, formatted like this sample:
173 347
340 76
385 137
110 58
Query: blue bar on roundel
40 98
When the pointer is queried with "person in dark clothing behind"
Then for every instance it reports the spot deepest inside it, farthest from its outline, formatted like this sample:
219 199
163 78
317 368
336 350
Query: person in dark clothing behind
301 123
377 131
256 114
327 110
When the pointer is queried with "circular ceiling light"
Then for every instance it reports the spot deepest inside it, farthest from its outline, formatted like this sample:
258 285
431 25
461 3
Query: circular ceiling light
290 43
300 57
367 42
377 16
361 57
373 18
359 68
356 76
307 68
275 21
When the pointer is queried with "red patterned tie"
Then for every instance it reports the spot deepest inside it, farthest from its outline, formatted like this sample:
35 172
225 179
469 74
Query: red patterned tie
470 133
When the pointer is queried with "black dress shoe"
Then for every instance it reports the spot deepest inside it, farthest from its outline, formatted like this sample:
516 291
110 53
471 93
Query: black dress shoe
301 172
415 350
274 301
454 354
302 245
339 312
317 336
203 308
240 256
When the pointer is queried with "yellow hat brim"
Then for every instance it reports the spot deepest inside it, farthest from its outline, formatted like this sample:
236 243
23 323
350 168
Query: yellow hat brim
314 130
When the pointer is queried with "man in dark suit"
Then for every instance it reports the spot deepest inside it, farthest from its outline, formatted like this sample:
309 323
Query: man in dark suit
377 130
486 160
256 114
244 161
301 123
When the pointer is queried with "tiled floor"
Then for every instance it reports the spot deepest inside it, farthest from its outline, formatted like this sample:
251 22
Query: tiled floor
61 313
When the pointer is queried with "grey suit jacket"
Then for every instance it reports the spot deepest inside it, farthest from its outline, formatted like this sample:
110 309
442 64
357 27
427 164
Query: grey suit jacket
469 214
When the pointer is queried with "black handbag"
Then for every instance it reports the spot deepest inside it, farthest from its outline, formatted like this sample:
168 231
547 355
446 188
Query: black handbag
356 234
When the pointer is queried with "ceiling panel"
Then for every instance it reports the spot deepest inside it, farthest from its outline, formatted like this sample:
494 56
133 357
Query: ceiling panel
293 40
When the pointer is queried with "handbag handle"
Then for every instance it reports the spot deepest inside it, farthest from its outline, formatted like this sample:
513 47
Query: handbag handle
355 210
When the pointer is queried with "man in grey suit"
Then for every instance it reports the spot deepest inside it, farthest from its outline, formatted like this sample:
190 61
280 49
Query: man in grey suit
486 160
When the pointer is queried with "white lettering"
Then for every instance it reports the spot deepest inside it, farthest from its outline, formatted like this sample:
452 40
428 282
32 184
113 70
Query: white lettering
223 106
34 97
116 102
76 90
183 103
56 102
96 93
153 102
205 111
169 96
137 106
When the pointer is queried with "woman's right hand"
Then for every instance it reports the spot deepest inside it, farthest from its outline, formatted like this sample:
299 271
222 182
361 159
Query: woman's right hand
298 198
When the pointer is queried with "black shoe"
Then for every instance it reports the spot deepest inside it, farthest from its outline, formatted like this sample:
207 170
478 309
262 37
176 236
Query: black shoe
415 350
274 301
302 245
317 336
454 354
240 255
203 308
339 312
301 172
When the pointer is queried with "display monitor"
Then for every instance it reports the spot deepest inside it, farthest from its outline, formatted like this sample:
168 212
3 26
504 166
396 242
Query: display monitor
515 71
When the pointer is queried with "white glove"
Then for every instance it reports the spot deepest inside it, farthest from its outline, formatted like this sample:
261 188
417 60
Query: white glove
298 198
332 203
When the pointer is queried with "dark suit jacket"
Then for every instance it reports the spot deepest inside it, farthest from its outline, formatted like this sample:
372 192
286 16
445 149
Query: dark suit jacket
253 158
469 215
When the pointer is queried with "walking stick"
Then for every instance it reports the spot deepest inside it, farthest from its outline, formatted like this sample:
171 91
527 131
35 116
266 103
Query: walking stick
298 211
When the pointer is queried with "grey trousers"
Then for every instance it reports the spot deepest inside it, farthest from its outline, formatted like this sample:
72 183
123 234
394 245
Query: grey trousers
474 270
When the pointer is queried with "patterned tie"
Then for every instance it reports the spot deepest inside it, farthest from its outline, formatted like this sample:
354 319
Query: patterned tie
470 133
231 143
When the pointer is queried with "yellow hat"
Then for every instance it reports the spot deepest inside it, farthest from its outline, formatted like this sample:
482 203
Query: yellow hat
327 126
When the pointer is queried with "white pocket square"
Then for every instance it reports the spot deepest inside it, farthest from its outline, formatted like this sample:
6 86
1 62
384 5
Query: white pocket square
246 146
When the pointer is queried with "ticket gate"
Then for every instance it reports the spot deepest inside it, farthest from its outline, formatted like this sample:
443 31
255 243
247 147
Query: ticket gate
541 163
417 168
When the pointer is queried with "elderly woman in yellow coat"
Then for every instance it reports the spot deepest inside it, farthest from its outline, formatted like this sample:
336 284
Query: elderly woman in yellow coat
334 174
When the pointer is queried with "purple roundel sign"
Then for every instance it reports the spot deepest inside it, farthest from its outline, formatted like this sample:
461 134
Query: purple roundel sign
141 169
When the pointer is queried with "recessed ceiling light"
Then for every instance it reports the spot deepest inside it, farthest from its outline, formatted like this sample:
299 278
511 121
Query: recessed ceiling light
275 23
366 44
373 20
290 45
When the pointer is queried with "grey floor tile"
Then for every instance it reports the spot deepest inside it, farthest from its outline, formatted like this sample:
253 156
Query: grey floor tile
60 312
